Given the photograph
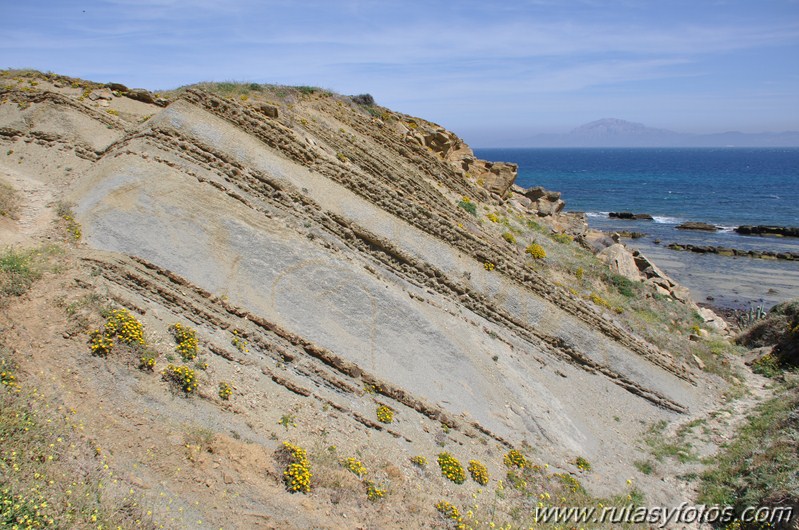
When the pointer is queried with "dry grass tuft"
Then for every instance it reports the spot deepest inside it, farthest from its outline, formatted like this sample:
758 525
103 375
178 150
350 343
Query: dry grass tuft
9 201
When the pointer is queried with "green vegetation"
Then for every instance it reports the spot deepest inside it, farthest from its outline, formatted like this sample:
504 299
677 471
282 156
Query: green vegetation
18 270
564 239
647 467
758 467
662 446
186 341
582 464
297 475
478 471
779 329
451 468
182 377
536 251
67 215
515 458
50 475
385 414
419 461
468 205
624 285
225 390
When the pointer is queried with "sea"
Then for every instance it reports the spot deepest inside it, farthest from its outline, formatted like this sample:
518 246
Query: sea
726 187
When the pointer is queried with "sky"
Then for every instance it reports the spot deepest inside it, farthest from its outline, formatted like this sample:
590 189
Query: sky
493 72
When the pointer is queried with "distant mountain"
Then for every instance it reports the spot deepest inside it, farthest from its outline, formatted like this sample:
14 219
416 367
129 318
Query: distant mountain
612 132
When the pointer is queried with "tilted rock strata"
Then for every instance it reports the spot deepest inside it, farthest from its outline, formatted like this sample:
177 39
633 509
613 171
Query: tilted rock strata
337 235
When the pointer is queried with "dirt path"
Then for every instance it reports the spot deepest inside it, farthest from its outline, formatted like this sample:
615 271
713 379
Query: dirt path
688 449
36 211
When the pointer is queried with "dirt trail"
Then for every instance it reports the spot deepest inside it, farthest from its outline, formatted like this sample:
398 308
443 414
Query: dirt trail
702 437
35 213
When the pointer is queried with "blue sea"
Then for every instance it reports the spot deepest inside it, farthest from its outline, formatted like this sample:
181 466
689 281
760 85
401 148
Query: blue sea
727 187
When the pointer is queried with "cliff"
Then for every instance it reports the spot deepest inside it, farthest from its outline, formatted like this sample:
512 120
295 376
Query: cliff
333 257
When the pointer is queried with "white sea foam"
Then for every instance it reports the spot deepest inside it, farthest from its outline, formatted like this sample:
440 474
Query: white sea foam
662 219
597 214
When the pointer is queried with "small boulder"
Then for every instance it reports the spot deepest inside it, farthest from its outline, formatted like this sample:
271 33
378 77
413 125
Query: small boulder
691 225
140 94
698 361
268 110
621 261
116 87
102 93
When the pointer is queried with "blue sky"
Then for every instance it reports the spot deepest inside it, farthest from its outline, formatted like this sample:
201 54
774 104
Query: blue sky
492 73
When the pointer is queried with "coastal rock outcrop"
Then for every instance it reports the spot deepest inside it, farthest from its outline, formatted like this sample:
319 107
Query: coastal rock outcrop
692 225
631 216
725 251
621 261
495 177
539 200
761 230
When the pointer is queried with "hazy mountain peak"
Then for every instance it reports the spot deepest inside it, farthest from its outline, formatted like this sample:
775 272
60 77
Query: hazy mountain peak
614 132
616 129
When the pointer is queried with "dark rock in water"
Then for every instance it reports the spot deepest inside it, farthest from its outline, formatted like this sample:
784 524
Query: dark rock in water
697 226
631 235
630 216
725 251
760 230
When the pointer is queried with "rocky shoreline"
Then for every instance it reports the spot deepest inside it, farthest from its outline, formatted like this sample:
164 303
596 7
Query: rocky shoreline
778 231
725 251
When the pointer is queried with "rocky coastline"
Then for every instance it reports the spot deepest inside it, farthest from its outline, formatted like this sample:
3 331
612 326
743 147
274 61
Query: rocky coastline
725 251
760 230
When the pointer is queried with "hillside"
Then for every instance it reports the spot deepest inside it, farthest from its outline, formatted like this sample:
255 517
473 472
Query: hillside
361 285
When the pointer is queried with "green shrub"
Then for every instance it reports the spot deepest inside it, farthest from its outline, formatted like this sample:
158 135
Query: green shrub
364 99
225 390
536 251
478 472
355 466
468 205
768 366
182 377
186 339
451 468
17 272
515 458
509 237
297 475
624 285
419 461
582 464
385 414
